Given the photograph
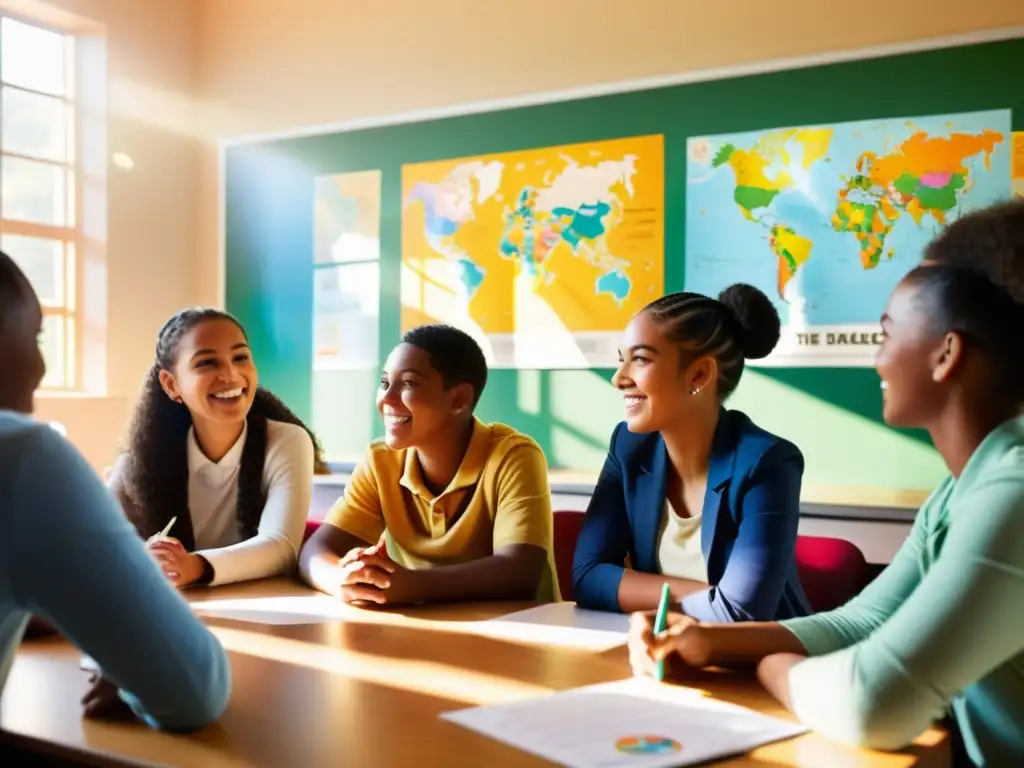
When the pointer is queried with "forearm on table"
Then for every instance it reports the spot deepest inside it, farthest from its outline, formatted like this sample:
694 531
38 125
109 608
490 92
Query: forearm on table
496 577
642 591
261 556
744 644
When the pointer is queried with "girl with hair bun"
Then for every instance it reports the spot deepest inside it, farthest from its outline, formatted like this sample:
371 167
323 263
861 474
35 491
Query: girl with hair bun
221 458
693 494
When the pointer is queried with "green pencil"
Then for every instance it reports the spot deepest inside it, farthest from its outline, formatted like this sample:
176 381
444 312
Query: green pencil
660 625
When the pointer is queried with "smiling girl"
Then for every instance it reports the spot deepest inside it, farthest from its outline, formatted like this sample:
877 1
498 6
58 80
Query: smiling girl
227 461
691 493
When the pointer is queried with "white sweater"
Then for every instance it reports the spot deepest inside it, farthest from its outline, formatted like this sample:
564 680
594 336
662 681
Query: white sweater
213 501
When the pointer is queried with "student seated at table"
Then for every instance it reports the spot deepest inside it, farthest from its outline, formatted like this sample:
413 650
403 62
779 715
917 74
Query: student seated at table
942 627
692 494
444 507
223 457
68 555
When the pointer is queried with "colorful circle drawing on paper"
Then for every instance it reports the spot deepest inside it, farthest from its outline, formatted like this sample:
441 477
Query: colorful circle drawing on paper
647 745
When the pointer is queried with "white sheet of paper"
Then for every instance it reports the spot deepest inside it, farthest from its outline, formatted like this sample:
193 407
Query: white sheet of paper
311 609
560 624
636 722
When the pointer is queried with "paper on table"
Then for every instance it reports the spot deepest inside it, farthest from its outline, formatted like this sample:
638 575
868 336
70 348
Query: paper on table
311 609
635 722
561 624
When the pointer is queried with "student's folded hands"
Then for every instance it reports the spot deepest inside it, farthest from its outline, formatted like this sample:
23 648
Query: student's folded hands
370 577
681 646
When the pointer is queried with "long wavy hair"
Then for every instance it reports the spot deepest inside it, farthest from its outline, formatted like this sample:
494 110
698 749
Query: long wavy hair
156 480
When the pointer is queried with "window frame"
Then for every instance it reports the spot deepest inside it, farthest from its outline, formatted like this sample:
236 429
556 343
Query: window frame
71 234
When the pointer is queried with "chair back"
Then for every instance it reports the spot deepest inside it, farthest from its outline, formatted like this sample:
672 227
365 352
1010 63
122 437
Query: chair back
832 571
311 527
567 528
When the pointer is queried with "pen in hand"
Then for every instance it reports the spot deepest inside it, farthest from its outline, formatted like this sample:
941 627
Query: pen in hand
165 531
660 624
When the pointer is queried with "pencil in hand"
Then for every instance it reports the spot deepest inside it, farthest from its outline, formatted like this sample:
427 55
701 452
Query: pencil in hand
164 532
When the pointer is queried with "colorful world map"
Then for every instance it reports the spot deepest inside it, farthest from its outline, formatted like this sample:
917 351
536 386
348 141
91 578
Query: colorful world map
528 248
827 219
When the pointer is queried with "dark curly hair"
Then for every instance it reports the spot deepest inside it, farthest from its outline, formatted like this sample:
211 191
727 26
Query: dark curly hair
971 282
156 480
742 323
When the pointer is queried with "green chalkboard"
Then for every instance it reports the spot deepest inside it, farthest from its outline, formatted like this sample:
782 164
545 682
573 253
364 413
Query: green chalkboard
832 414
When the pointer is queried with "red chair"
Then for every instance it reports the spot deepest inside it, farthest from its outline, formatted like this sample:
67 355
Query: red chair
831 570
567 528
311 526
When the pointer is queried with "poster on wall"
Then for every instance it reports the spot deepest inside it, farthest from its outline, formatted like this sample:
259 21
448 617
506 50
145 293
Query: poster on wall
346 270
1018 164
827 219
541 255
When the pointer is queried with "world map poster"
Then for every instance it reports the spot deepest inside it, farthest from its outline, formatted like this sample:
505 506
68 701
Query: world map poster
542 255
1018 164
827 219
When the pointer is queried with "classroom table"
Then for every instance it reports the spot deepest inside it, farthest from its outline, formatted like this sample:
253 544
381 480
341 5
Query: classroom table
366 689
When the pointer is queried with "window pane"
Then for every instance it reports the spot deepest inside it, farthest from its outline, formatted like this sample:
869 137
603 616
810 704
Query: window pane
52 345
34 125
32 57
33 191
346 312
42 262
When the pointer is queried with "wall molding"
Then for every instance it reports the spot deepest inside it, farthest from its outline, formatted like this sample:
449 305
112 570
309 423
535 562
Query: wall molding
637 84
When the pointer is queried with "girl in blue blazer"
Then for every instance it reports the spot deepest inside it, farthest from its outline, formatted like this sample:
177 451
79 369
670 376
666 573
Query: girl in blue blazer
691 493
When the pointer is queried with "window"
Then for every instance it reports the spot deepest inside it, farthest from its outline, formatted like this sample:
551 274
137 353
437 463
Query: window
38 201
346 311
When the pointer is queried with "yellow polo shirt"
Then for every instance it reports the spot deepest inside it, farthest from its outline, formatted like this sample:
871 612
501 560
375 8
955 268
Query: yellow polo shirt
499 496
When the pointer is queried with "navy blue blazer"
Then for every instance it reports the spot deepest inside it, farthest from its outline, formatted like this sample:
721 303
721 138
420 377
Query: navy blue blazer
748 530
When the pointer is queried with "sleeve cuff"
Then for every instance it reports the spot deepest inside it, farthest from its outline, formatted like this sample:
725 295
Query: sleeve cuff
814 635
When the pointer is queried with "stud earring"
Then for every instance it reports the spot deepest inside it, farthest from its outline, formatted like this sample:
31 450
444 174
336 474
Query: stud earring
694 391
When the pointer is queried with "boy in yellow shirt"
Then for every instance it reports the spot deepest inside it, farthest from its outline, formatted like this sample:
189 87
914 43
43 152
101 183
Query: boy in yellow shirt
443 507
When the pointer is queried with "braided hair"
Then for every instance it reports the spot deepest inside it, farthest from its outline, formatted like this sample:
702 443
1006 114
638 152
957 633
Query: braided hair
157 472
742 323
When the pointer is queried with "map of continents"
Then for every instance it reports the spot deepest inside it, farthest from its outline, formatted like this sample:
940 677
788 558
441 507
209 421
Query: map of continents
542 255
827 219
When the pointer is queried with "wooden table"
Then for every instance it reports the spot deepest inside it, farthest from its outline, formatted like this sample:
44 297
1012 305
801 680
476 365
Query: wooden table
366 690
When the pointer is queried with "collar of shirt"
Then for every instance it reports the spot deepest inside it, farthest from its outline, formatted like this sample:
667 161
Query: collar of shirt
200 464
469 470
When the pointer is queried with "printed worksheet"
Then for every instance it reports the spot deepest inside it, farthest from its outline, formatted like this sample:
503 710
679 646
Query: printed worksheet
638 723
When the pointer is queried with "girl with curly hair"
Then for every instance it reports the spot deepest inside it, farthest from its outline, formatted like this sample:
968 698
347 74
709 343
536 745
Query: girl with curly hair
217 458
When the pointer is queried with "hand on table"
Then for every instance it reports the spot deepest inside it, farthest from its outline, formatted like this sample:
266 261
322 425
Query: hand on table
370 577
102 701
681 646
181 567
